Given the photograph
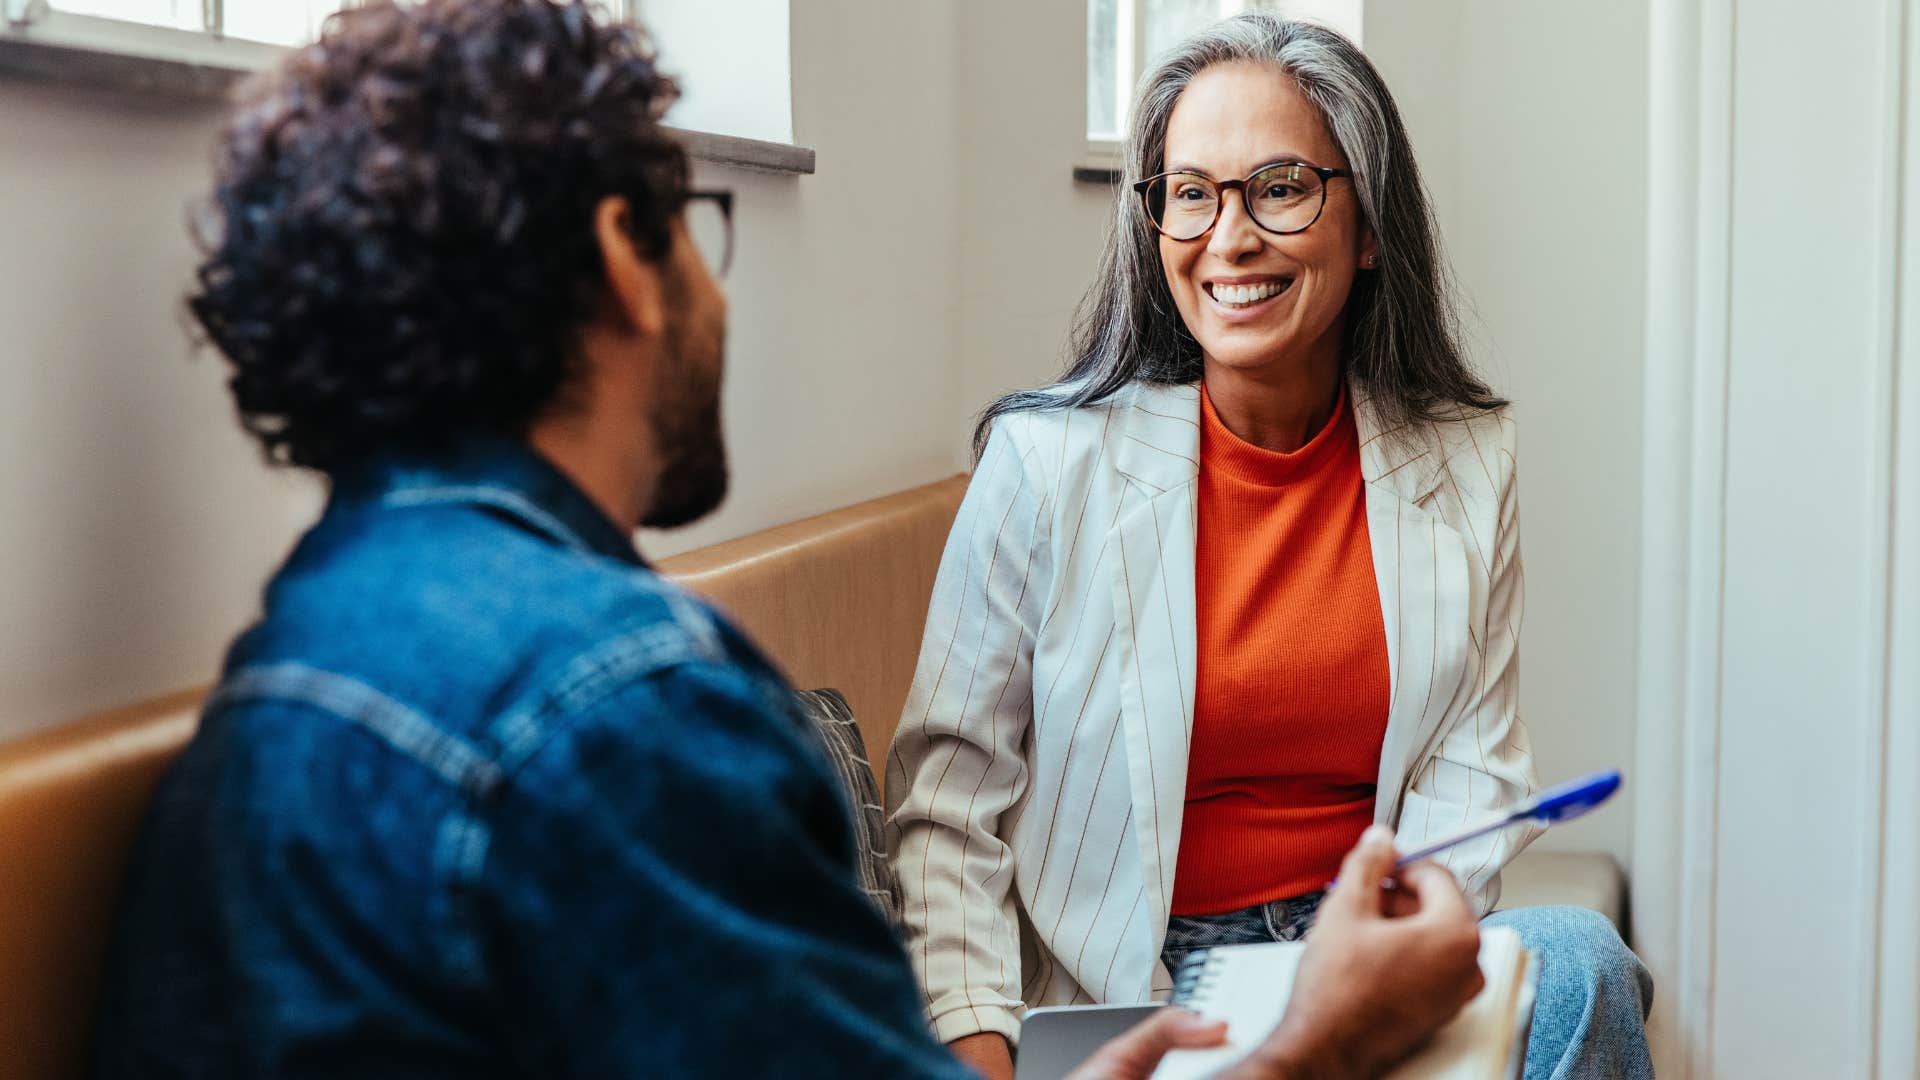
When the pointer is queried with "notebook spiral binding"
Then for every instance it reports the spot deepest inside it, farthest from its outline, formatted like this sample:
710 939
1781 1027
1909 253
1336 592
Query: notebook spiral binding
1197 975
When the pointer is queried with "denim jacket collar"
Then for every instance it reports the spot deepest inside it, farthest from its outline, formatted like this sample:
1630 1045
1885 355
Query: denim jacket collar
501 474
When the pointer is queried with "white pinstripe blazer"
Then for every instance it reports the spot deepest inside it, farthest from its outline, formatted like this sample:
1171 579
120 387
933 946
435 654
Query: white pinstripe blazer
1038 777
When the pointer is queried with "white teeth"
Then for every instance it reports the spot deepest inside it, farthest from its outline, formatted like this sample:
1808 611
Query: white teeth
1242 295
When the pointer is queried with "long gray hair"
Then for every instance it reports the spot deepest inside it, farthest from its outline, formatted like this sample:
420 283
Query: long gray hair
1402 338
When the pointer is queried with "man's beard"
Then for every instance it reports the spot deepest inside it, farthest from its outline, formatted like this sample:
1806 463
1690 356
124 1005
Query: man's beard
686 432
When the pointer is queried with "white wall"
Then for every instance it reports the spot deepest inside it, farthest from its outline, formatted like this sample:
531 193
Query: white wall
135 522
1029 235
138 525
1530 124
1806 490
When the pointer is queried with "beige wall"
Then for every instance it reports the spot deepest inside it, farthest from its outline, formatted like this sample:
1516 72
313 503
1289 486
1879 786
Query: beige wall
1530 122
135 522
1031 235
138 525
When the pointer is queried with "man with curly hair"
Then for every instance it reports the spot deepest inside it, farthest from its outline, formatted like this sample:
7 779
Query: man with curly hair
480 794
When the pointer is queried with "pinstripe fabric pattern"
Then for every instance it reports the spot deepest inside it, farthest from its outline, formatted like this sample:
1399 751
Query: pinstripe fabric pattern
1037 781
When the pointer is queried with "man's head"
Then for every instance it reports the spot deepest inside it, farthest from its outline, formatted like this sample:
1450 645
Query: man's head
463 216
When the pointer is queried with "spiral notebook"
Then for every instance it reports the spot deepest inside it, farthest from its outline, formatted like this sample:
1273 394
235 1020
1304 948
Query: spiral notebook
1248 986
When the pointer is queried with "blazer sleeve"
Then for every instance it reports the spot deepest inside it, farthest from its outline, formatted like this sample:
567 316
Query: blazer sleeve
956 765
1482 762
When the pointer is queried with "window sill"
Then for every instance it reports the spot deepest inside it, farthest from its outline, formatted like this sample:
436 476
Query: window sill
1102 164
740 152
1103 175
190 65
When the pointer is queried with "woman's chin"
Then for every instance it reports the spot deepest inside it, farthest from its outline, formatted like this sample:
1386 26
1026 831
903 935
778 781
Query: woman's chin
1236 353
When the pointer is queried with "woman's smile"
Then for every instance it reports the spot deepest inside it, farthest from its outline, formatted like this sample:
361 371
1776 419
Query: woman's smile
1247 298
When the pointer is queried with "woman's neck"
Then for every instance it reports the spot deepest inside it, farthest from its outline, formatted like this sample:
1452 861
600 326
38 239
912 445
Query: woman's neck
1278 407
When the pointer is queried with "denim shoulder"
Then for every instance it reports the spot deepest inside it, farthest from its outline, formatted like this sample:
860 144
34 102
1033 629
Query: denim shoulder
661 660
483 633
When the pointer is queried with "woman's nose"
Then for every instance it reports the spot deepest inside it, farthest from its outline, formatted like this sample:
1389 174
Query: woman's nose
1234 234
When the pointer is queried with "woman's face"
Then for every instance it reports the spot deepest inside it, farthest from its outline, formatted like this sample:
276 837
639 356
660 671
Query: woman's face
1232 120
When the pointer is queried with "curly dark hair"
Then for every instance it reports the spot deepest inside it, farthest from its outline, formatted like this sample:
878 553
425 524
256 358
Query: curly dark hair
400 245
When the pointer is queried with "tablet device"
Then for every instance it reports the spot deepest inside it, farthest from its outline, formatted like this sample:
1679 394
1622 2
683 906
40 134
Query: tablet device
1055 1041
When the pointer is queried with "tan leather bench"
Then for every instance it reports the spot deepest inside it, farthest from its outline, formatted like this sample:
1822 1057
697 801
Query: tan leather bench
70 801
838 600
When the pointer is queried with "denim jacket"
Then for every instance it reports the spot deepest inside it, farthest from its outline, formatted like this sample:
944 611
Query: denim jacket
482 795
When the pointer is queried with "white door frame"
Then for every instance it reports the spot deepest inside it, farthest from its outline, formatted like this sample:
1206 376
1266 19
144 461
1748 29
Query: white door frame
1683 531
1684 543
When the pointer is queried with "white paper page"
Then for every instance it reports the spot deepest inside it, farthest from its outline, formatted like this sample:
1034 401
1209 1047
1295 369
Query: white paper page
1249 985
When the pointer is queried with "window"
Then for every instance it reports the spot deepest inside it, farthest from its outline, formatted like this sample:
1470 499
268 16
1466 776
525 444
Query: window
733 60
272 22
188 47
1124 37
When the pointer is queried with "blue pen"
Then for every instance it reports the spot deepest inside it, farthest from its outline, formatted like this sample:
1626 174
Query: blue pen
1563 802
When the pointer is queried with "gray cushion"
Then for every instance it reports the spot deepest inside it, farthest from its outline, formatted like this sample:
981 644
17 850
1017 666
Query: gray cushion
1583 879
840 735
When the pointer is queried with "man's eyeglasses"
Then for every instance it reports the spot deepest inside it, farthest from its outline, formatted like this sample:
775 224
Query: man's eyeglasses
1283 198
710 224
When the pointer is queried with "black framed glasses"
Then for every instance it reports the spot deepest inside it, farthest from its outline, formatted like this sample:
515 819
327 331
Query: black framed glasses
1285 197
710 224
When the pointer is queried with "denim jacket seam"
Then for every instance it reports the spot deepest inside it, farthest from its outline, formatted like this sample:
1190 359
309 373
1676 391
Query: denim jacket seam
462 836
402 728
592 675
460 854
499 498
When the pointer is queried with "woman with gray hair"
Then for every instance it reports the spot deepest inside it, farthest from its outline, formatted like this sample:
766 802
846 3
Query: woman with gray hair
1245 581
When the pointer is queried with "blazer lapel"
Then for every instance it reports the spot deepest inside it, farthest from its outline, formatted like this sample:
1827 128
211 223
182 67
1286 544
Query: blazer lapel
1420 564
1157 448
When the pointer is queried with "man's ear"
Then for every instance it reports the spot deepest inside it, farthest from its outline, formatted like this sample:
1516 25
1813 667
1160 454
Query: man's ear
635 288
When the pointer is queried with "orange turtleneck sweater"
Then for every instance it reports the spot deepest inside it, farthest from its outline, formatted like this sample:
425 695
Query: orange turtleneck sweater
1291 695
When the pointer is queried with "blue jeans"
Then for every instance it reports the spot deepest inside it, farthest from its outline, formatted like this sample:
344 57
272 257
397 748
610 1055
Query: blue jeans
1589 1019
